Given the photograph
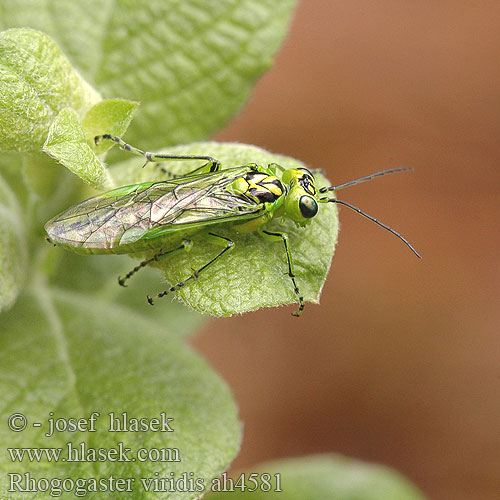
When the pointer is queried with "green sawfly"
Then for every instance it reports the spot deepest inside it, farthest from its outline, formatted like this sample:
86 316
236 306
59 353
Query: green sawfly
160 217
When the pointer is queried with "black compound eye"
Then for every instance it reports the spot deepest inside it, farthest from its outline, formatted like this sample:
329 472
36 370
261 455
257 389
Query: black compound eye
308 206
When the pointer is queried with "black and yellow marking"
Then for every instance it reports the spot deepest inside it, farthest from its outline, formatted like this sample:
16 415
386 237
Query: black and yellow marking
306 180
263 188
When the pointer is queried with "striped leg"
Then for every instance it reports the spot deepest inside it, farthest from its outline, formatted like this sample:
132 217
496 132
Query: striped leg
270 236
185 246
212 164
228 246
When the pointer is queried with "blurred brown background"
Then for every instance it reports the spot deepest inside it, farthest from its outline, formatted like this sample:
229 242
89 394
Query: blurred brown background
401 362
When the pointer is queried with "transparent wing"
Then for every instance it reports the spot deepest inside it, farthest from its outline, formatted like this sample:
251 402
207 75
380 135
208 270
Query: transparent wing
125 215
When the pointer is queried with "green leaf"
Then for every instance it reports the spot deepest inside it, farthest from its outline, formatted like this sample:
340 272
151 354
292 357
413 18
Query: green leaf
328 477
41 174
36 82
13 247
10 169
52 186
62 352
66 143
254 273
191 63
96 276
112 116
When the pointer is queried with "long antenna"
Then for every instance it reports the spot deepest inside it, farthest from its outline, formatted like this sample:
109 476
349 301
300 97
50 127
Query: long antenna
364 214
363 179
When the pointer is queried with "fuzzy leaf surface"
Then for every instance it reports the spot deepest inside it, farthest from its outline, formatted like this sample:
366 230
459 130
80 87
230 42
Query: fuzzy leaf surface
36 82
65 353
13 247
191 63
66 143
